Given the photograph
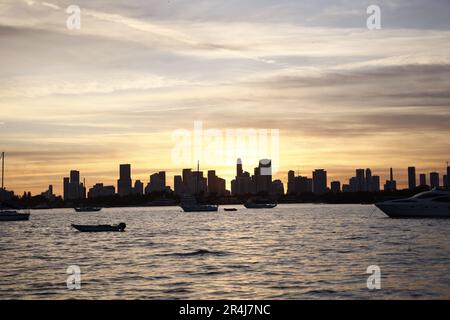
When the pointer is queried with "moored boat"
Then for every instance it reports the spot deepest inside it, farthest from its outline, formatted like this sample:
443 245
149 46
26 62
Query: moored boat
87 209
259 204
428 204
100 228
12 215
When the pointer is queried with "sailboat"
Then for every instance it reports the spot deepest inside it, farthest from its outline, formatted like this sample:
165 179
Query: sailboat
189 203
10 215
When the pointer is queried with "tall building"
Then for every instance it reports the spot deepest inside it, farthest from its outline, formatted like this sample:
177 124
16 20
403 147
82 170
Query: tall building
448 176
360 180
291 183
423 179
188 181
157 183
73 189
411 178
319 181
124 183
434 180
213 182
369 181
335 186
264 176
375 184
239 171
66 188
445 181
178 185
138 187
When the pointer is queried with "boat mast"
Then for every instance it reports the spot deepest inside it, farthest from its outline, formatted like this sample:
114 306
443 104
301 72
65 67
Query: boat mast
3 169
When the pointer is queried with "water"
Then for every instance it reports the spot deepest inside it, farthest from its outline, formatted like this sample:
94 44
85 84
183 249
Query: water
299 251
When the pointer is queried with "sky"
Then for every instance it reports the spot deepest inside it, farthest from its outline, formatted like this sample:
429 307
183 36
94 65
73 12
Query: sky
120 88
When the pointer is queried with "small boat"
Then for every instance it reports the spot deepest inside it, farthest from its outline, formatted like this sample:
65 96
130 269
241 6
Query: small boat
199 207
259 204
428 204
100 228
12 215
87 209
230 209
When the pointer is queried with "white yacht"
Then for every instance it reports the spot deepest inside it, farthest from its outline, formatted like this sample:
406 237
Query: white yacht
428 204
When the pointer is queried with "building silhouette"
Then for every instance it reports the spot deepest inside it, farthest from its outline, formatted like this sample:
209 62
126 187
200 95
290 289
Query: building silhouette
434 180
448 176
124 183
100 191
319 181
157 183
411 178
138 188
391 184
73 189
422 179
335 186
242 183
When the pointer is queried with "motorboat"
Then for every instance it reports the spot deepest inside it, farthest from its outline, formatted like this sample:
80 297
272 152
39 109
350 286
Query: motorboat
230 209
12 215
428 204
100 228
259 204
87 209
197 207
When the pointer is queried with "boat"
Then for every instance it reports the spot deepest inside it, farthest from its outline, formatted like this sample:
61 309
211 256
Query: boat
13 215
100 228
9 214
428 204
189 202
259 204
87 209
230 209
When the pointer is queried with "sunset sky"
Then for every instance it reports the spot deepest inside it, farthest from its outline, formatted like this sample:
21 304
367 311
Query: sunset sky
342 96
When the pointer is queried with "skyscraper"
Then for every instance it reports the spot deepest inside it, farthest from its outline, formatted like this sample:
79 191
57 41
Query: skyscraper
213 183
412 178
423 179
73 189
434 180
124 187
239 170
138 187
375 184
448 177
319 181
178 185
369 180
360 180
